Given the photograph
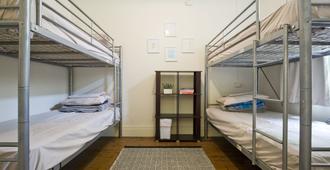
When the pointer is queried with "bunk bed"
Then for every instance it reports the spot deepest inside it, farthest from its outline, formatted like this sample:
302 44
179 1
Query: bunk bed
298 30
62 34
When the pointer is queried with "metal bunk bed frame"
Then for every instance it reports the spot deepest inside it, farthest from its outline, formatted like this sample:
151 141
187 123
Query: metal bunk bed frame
288 42
32 42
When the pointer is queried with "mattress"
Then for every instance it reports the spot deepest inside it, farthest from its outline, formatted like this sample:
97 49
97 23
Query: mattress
238 127
54 136
286 14
13 15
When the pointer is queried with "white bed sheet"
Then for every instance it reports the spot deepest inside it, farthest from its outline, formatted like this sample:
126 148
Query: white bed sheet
13 14
54 136
286 14
238 127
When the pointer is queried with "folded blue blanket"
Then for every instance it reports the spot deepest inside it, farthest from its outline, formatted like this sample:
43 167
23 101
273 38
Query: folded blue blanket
245 106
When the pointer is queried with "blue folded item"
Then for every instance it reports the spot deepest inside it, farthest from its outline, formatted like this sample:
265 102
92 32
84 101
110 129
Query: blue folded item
246 106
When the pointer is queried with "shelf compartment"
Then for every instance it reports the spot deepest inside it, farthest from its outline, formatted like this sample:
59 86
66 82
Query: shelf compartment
181 138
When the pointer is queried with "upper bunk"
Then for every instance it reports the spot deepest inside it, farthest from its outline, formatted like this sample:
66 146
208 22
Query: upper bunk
62 34
233 46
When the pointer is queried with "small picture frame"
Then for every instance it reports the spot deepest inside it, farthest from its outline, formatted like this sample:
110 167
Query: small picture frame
187 45
170 54
153 46
170 30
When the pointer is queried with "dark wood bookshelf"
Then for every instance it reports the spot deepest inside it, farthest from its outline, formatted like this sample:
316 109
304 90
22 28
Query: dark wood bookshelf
177 116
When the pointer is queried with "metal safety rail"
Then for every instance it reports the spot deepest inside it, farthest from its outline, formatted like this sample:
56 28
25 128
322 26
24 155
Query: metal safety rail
283 46
219 43
31 42
49 47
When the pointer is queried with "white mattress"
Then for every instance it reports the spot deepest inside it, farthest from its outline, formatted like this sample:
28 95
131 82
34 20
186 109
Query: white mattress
13 14
54 136
287 14
238 127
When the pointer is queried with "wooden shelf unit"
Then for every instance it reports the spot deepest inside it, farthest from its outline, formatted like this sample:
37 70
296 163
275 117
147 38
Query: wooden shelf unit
177 116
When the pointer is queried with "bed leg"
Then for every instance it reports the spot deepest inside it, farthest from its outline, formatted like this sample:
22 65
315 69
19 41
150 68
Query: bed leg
305 43
24 86
120 129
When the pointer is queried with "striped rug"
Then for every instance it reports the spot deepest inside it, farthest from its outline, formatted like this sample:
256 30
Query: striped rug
162 158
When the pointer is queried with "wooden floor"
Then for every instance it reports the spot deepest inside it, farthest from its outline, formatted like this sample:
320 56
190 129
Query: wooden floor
104 152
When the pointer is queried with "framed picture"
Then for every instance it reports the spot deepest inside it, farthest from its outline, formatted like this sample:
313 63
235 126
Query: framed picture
170 54
153 46
187 45
170 30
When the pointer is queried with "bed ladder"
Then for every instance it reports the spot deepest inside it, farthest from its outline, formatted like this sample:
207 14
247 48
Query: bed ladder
283 100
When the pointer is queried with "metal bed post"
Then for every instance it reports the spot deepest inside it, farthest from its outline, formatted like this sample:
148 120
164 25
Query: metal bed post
206 93
255 86
255 92
24 85
257 20
70 81
305 84
38 12
120 91
285 99
115 89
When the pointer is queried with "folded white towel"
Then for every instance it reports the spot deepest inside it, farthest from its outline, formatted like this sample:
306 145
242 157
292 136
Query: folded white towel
87 101
92 95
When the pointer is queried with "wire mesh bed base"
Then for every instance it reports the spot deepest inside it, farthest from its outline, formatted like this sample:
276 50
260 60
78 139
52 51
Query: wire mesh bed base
270 50
47 47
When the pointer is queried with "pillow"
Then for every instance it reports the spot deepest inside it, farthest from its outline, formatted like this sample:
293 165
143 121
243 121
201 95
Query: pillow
244 107
230 100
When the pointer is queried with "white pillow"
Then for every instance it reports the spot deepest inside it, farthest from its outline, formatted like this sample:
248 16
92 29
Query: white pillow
230 100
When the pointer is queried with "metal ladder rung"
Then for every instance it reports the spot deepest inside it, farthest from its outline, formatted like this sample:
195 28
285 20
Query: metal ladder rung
320 165
8 160
8 144
9 7
321 149
270 100
269 136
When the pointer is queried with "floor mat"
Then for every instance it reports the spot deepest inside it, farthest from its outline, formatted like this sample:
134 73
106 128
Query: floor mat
162 158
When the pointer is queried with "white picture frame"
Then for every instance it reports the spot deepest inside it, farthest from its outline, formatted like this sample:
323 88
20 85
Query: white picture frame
187 45
171 54
153 46
170 30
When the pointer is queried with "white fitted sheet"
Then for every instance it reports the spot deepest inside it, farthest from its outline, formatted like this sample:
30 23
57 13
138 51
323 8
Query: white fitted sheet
13 14
54 136
238 127
286 14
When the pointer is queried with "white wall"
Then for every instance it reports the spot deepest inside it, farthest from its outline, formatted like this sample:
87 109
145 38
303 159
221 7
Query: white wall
93 80
48 87
132 22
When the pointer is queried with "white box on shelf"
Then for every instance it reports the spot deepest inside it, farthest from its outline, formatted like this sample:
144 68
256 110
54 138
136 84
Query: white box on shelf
168 91
165 128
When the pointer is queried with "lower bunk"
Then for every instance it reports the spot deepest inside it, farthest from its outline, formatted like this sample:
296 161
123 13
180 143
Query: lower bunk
56 136
237 129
